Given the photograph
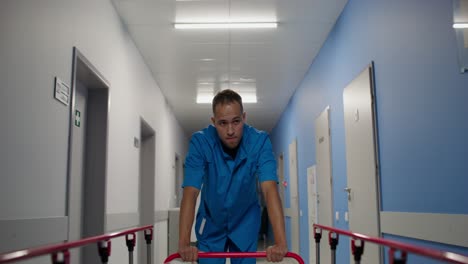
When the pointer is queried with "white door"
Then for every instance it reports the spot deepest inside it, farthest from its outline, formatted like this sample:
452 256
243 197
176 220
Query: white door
294 197
361 160
324 180
312 207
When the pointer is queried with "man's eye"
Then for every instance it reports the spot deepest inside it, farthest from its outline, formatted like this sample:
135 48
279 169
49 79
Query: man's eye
236 122
222 123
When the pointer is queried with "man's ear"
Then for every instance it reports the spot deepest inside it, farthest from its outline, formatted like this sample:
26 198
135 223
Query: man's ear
213 121
244 116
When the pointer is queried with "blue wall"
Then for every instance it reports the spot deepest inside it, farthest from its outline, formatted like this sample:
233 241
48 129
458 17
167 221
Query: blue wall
422 107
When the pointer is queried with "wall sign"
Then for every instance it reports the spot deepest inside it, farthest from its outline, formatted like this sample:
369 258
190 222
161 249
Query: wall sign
62 91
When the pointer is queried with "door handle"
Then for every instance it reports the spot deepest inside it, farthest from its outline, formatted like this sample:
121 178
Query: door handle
348 190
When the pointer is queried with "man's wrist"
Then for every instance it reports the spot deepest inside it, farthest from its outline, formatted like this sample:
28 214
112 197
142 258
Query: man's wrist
184 243
281 244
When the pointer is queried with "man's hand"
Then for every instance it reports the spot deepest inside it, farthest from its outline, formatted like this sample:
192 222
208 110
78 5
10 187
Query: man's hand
188 253
187 211
276 253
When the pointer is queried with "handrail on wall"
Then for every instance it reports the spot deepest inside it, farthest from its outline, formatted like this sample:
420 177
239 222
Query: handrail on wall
55 249
60 252
394 245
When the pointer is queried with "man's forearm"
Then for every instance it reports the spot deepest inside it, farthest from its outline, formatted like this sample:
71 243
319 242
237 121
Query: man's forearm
186 217
275 213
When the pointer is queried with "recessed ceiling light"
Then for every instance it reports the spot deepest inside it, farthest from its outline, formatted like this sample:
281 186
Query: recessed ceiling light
205 93
237 25
204 99
249 98
460 25
246 79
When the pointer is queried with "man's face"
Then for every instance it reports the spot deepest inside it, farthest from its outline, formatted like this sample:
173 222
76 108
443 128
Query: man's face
229 123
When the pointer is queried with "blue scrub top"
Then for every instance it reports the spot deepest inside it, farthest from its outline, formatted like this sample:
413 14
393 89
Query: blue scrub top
229 206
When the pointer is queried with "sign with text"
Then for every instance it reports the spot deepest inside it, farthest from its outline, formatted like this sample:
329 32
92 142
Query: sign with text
62 91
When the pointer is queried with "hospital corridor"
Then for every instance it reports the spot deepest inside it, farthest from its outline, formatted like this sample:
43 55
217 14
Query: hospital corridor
348 143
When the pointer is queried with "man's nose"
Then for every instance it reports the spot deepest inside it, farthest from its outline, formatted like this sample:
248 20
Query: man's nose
230 129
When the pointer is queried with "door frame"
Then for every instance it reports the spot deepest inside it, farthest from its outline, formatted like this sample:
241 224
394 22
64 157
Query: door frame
179 179
85 72
294 196
280 173
147 180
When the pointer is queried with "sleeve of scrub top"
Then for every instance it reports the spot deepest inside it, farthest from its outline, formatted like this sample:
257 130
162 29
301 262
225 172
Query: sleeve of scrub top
194 164
267 162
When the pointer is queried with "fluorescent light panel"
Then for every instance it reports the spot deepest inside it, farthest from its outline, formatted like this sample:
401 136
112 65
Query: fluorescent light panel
204 99
208 99
205 95
205 92
460 25
248 98
226 25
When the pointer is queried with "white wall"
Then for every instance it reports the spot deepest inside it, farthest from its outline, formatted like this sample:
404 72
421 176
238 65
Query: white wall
37 39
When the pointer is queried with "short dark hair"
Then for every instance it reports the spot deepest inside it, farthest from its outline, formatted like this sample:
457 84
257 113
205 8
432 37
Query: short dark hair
225 97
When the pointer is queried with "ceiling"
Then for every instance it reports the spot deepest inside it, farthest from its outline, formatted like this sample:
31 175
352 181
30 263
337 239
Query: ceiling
272 61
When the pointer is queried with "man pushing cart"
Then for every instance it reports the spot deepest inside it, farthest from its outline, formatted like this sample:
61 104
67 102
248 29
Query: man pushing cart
224 162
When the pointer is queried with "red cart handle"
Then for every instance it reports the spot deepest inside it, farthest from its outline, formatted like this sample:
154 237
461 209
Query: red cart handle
259 254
